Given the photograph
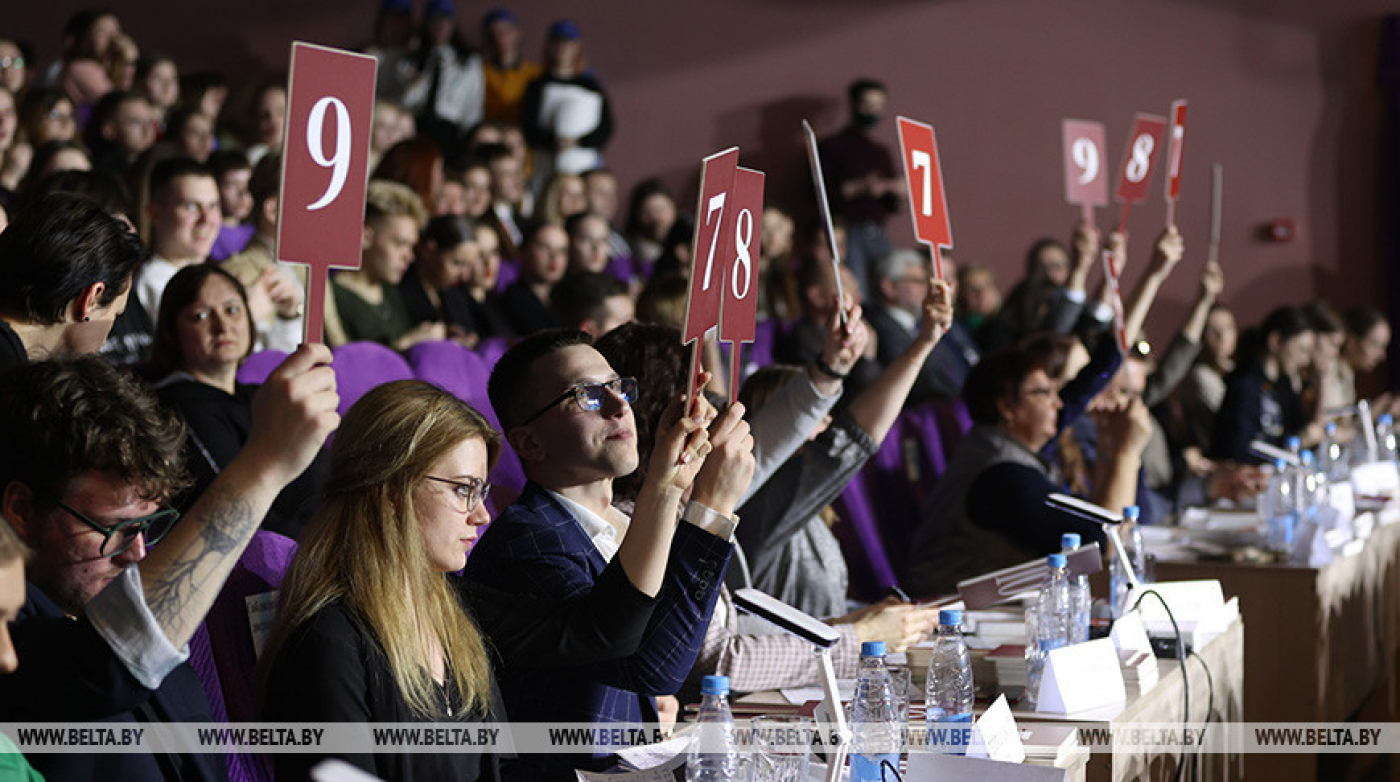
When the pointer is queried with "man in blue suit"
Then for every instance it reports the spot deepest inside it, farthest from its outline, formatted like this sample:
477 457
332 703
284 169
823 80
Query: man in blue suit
569 418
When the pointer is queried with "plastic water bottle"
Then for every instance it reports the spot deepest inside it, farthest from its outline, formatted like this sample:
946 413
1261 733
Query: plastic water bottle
876 735
1118 581
948 694
713 756
1278 510
1079 595
1332 458
1053 624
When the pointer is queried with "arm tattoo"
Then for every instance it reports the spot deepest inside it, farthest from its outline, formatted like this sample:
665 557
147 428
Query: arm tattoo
228 522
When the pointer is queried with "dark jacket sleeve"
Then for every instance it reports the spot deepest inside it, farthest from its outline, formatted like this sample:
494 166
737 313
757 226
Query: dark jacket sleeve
608 622
1010 498
677 628
1237 421
1091 380
806 483
67 672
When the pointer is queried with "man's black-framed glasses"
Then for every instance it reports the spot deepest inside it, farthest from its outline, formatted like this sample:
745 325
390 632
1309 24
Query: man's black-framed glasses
590 396
119 537
469 493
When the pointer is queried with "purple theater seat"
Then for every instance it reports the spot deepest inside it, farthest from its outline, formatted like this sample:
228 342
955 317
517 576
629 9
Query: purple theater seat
258 366
452 368
492 348
230 633
464 373
360 366
953 422
871 571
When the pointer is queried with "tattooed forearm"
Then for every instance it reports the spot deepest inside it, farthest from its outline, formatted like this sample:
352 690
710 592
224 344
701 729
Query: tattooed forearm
180 592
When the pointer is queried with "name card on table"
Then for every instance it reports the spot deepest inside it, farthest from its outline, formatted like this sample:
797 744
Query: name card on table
1130 633
927 766
1080 677
1375 481
995 735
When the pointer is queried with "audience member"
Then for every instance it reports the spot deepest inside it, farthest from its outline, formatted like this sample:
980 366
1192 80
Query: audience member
67 267
564 113
184 215
415 162
434 289
123 127
232 172
191 131
543 261
87 495
507 72
900 280
158 79
988 510
276 290
204 333
556 539
446 97
601 185
367 299
1262 399
860 178
592 302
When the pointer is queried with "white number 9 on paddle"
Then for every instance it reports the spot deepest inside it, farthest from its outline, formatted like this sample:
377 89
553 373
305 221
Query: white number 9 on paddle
339 162
1086 157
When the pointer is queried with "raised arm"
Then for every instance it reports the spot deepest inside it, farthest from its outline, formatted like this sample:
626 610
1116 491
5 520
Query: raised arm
1166 254
293 414
877 407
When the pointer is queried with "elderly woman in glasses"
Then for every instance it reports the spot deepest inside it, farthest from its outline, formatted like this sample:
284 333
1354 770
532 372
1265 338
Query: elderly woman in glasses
370 625
204 332
988 511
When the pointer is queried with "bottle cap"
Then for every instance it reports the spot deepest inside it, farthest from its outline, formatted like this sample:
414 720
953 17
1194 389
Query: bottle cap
1132 512
1055 560
1306 457
1294 443
950 617
1386 419
1280 465
1070 540
872 649
714 685
1331 428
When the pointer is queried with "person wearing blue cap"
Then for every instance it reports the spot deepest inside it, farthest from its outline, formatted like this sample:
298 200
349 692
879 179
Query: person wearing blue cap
450 87
565 113
507 71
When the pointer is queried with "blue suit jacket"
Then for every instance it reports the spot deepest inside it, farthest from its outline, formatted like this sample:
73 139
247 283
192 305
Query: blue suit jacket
538 548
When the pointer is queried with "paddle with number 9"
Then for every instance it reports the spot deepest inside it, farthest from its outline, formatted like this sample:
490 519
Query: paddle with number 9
325 168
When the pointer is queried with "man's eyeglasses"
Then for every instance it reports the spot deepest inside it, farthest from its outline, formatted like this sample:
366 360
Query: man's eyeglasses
469 493
119 537
590 396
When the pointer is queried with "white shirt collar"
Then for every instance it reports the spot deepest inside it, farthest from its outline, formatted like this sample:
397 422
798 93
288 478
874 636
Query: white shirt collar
597 528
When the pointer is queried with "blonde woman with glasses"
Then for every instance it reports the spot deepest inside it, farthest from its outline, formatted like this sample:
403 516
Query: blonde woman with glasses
372 627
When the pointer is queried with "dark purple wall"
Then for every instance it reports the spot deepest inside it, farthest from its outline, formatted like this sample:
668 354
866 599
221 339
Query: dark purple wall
1288 107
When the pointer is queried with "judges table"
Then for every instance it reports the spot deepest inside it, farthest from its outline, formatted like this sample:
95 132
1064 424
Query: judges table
1322 640
1218 696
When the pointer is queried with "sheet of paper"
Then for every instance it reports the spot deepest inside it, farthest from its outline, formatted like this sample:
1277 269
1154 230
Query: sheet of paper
1130 633
1081 676
995 736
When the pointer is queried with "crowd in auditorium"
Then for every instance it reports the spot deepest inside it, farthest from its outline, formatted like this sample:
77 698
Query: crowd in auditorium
492 494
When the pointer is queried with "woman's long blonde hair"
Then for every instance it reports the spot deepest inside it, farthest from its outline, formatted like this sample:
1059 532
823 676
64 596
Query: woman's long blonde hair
365 548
